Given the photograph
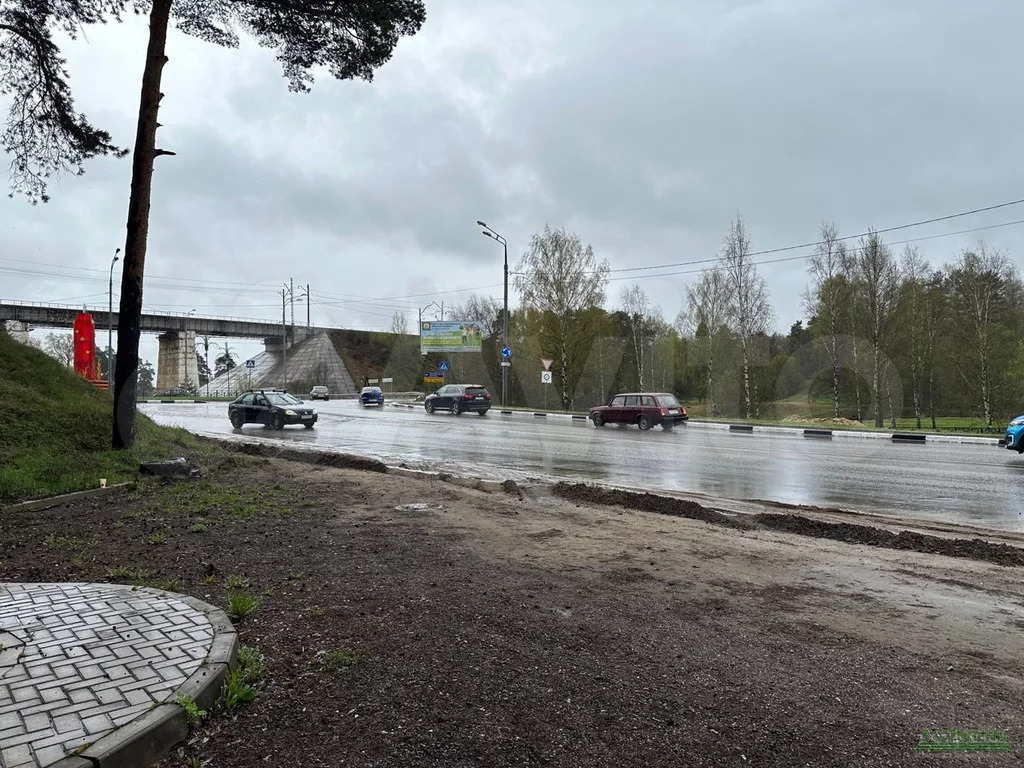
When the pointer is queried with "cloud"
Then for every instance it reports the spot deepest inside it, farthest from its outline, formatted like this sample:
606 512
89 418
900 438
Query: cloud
643 127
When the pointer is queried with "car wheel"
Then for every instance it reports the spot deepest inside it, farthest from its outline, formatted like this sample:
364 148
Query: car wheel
236 421
644 423
481 413
598 421
456 409
667 426
277 421
428 407
308 426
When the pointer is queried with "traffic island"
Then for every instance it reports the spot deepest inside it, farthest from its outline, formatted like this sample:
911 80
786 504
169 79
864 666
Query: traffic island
91 674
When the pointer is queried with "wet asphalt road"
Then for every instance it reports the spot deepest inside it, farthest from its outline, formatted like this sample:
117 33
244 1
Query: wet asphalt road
964 483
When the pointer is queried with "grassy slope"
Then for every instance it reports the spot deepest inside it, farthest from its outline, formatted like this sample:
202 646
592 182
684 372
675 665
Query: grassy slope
55 430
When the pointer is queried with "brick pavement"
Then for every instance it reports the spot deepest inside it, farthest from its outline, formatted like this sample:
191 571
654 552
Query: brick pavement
77 661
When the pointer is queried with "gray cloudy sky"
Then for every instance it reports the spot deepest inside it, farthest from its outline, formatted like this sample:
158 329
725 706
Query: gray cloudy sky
642 126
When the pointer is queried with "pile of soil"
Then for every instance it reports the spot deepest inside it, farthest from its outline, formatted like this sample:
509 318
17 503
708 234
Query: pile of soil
850 533
831 420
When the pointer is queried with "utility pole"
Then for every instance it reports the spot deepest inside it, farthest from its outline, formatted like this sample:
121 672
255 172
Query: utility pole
308 324
110 325
291 297
488 232
284 337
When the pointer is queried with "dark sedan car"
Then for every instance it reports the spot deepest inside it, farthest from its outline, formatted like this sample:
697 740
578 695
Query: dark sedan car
645 409
372 396
272 408
459 398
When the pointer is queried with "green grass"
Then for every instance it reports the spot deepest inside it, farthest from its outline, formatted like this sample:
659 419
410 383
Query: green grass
241 604
337 660
55 430
242 682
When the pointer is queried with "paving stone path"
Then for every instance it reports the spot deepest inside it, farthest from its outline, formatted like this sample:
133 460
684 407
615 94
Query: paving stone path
78 661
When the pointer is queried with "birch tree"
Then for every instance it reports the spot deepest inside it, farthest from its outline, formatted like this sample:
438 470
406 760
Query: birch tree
980 285
749 308
878 281
636 307
707 311
825 299
914 314
560 278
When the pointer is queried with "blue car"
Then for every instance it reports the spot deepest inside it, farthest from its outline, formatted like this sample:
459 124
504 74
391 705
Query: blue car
371 396
1015 435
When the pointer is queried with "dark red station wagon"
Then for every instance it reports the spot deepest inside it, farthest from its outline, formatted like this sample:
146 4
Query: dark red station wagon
645 409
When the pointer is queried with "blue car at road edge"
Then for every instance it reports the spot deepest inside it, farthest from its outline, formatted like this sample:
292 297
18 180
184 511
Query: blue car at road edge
1015 435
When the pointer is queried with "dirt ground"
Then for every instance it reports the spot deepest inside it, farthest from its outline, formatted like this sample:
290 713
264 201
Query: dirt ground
523 628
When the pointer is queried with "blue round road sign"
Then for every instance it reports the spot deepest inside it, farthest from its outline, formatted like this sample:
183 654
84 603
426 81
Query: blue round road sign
506 352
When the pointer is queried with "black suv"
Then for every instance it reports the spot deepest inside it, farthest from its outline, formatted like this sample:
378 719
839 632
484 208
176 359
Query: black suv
270 407
458 398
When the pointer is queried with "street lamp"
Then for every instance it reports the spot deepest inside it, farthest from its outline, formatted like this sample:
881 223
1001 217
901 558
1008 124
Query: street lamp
488 232
110 321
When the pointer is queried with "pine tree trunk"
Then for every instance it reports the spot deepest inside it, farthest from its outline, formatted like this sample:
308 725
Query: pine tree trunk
130 308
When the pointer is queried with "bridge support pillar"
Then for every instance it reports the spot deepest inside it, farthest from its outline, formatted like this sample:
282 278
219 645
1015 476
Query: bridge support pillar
176 365
17 331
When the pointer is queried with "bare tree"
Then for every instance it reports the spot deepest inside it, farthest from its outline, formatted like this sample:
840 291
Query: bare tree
825 299
877 277
46 135
559 278
981 283
61 347
636 307
483 309
749 310
399 324
707 311
915 271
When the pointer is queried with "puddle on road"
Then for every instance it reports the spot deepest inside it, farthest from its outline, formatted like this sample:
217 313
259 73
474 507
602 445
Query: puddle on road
415 507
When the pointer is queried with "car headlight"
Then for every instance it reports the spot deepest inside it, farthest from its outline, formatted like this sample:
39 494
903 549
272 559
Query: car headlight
1017 422
289 412
314 411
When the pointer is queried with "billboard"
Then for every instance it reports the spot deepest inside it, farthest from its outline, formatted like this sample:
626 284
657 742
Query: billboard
450 336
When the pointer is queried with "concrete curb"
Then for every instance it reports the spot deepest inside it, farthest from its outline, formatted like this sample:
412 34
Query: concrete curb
150 737
816 432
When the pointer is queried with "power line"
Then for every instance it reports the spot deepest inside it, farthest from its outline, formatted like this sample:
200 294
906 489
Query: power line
808 255
817 243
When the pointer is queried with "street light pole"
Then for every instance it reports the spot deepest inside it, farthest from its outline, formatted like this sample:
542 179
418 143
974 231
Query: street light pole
488 232
110 322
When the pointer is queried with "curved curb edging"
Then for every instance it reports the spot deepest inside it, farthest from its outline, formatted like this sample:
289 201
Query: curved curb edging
150 737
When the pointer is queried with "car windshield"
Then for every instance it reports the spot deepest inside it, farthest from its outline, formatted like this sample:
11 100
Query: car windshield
281 398
668 401
371 390
475 390
319 389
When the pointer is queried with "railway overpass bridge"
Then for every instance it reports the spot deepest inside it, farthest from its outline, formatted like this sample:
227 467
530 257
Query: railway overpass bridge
175 331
